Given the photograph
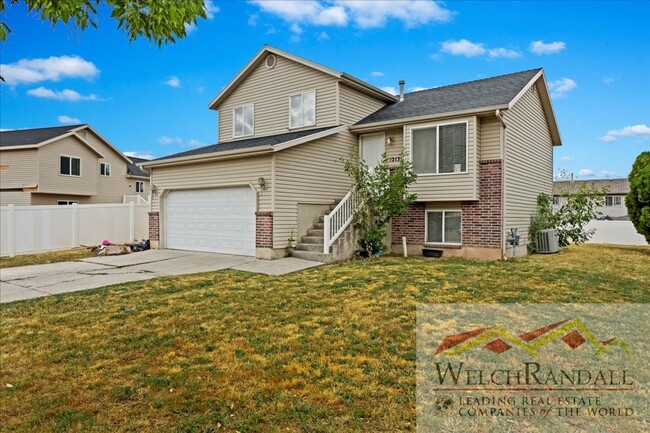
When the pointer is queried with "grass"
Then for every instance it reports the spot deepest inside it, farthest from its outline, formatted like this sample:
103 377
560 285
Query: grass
43 258
330 349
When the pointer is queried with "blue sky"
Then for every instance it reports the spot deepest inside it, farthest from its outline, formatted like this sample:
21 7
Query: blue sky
153 101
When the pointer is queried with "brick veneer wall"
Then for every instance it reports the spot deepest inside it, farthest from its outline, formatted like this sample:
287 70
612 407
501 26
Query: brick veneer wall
264 229
410 224
481 224
154 226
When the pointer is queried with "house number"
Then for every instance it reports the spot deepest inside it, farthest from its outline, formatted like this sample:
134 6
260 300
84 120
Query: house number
395 159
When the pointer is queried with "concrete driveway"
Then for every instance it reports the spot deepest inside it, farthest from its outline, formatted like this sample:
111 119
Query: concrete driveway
42 280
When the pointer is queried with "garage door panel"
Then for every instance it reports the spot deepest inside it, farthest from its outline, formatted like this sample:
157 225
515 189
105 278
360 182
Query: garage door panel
215 220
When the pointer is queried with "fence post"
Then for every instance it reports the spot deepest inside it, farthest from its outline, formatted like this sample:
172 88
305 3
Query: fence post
11 233
75 225
131 222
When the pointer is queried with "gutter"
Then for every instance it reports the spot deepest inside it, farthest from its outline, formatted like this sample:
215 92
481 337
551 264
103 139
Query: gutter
498 115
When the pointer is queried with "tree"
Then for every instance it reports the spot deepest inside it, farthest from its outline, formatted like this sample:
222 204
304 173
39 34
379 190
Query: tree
383 193
637 200
570 218
159 21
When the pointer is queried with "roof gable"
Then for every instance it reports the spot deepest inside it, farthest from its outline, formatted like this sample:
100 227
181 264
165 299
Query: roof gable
267 49
33 136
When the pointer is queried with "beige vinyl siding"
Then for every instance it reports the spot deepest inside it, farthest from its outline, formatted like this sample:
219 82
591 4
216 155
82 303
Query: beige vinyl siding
490 138
308 173
528 161
269 90
355 105
17 198
451 186
231 172
18 168
50 181
394 149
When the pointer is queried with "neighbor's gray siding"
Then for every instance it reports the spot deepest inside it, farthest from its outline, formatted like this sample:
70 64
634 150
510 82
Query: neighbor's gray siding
269 90
528 161
308 173
231 172
451 186
355 105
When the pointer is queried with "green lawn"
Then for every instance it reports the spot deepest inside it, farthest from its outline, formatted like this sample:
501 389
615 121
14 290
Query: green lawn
47 257
330 349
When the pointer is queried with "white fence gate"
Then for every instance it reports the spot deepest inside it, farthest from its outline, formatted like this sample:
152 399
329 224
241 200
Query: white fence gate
615 232
26 229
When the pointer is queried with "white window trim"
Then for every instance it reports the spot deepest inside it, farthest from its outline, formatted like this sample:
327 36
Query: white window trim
613 197
66 202
438 125
139 182
72 175
426 227
315 105
252 105
106 164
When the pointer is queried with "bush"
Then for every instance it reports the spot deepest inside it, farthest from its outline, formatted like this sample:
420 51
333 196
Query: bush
637 200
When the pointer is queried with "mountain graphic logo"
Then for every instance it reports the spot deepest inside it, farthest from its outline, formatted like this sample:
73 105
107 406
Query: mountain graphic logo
572 332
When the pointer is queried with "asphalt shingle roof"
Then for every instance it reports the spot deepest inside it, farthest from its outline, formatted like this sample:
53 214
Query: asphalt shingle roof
134 170
488 92
271 140
613 186
23 137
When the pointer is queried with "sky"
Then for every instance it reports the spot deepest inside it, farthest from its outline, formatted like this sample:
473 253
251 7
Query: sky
152 102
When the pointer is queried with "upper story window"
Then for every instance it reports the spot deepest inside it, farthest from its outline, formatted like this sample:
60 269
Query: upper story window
243 121
302 110
139 186
104 169
612 200
70 166
439 149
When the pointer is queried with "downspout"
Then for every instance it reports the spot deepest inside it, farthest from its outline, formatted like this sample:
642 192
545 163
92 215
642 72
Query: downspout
497 113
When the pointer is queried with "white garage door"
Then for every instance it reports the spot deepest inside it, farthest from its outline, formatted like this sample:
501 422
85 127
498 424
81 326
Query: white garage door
218 220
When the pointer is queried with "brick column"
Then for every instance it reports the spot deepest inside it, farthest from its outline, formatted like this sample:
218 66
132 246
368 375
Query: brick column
264 229
410 224
482 219
154 226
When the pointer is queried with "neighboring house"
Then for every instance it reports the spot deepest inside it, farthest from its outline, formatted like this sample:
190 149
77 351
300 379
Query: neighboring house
613 192
483 151
65 165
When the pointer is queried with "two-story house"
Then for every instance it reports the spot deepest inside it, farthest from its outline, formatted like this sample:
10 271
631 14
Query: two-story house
483 151
65 165
613 192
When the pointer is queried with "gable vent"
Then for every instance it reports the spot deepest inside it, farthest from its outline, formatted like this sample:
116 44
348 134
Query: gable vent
270 61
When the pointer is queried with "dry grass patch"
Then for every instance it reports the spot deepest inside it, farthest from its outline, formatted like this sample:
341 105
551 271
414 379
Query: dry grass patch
44 258
330 349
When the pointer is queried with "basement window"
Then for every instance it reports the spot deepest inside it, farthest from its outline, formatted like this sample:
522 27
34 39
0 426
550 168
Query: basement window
66 202
443 227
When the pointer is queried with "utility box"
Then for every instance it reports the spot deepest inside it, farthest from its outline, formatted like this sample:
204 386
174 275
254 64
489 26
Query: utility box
548 241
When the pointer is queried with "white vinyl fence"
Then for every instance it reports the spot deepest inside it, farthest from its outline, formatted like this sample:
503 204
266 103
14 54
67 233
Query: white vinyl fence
615 232
25 229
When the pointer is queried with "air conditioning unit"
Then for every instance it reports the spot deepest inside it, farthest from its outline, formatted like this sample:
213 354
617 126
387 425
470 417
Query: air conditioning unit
548 241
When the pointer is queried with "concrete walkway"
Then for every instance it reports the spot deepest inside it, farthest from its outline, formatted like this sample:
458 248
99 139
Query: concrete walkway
42 280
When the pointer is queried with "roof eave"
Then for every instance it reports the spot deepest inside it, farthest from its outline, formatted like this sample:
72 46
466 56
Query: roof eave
398 122
205 157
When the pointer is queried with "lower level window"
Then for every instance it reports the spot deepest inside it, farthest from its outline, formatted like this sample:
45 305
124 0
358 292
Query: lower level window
66 202
444 227
612 200
139 186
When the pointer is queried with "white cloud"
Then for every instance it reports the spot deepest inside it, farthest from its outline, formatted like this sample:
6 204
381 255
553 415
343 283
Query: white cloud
503 52
147 154
295 28
190 28
608 80
173 81
567 158
67 120
390 89
463 47
252 20
377 74
210 8
27 71
194 143
541 47
63 95
606 173
417 88
363 14
170 140
323 36
585 172
628 131
560 88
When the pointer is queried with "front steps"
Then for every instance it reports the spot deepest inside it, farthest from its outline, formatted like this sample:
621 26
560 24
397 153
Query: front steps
310 246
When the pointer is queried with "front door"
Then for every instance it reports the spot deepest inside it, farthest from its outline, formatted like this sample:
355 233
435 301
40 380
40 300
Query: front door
373 147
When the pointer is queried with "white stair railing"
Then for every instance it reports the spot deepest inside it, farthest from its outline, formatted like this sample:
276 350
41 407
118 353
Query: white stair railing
340 218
